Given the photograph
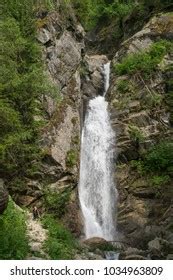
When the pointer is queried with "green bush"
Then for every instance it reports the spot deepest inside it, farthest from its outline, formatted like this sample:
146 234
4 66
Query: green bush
60 244
159 158
156 162
13 240
144 63
56 202
91 12
22 82
158 181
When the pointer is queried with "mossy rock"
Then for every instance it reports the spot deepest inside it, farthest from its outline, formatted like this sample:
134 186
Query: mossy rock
3 197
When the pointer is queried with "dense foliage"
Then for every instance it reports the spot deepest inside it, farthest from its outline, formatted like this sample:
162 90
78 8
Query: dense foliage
22 82
144 62
60 244
56 202
156 164
90 12
160 158
13 241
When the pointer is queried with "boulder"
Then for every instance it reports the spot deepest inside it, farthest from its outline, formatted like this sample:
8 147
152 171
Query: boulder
95 242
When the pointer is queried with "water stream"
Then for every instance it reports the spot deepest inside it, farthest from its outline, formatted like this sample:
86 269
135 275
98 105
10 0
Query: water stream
97 192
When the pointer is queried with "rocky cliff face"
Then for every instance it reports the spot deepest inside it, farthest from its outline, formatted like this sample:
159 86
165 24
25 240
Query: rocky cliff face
139 114
62 41
141 118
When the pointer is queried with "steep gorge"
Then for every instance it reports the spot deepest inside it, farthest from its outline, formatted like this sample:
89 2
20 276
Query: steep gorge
140 116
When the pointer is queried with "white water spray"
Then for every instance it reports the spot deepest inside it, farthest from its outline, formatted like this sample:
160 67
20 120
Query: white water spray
97 191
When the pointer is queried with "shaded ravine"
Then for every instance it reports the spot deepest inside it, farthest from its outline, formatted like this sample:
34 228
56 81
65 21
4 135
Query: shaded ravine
97 192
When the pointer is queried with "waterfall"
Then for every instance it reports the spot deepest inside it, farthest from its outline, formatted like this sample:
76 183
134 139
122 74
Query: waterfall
106 73
97 192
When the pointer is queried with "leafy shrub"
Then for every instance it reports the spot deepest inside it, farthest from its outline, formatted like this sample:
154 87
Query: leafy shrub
56 202
60 244
22 82
90 12
156 162
160 157
138 165
144 62
159 180
13 240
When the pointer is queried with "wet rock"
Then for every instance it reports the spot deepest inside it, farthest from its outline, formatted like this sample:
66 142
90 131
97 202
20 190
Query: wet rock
93 84
95 242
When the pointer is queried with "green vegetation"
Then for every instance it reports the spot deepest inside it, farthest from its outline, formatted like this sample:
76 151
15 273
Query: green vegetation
91 12
22 82
13 240
71 158
159 158
159 180
156 165
152 99
146 62
123 86
136 134
56 202
60 244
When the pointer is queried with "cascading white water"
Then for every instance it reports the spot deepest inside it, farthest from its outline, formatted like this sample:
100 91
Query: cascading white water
97 191
106 73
